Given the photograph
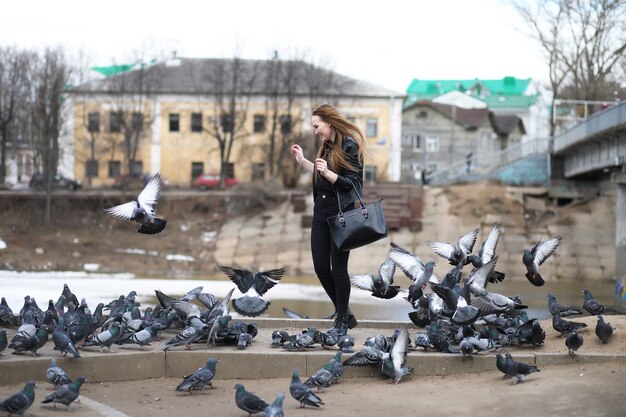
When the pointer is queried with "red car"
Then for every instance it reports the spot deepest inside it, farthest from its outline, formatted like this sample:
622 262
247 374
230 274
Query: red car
207 181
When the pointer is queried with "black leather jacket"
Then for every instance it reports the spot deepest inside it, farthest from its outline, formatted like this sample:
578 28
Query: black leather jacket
347 195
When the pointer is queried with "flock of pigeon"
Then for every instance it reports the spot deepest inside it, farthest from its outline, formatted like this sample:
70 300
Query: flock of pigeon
461 315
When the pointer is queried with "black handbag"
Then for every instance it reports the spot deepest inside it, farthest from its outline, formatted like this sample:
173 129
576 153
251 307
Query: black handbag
359 226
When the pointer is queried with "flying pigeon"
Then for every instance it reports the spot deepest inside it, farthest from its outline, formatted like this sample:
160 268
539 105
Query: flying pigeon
379 285
56 375
19 402
603 330
565 310
276 408
66 394
249 401
293 315
536 256
487 252
143 210
414 269
200 378
517 370
367 356
565 326
392 364
573 342
253 287
593 307
302 393
459 253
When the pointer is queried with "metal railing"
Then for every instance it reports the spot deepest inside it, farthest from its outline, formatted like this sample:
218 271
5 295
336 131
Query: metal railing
483 164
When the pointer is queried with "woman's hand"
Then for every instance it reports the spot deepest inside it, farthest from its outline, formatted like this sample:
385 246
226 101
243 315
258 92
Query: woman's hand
296 151
321 166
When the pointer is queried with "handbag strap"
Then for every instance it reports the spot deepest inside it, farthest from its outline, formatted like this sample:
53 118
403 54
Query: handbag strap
363 207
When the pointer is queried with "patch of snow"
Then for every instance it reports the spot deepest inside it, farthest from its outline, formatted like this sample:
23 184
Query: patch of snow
91 267
179 258
184 227
208 236
134 251
3 244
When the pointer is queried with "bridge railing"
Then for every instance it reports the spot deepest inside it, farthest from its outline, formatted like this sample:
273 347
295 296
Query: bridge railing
484 164
604 120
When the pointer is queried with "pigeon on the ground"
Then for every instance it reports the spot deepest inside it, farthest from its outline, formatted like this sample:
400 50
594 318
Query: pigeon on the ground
322 378
337 366
19 402
565 326
300 341
253 287
69 295
146 336
186 337
501 365
593 307
367 356
536 256
3 340
143 210
379 285
603 330
276 408
56 375
345 343
106 337
414 269
200 378
280 337
66 394
459 253
221 309
302 393
487 252
249 401
6 314
565 310
517 370
422 340
33 343
62 341
293 315
573 342
392 364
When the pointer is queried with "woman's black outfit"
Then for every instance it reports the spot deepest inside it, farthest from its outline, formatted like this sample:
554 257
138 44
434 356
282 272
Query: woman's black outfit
331 264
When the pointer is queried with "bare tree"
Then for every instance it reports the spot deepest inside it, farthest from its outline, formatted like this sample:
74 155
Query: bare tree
51 77
583 41
14 72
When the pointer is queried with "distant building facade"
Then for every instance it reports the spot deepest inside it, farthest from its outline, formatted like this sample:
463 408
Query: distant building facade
167 115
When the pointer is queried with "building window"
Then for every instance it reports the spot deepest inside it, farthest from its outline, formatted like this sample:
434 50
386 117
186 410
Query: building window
174 122
285 124
197 169
227 122
137 121
259 123
93 122
115 169
369 172
230 170
413 141
115 121
136 169
258 172
371 128
432 144
196 122
92 168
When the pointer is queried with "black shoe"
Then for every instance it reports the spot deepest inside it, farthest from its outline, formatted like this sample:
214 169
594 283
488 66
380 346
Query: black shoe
340 327
352 322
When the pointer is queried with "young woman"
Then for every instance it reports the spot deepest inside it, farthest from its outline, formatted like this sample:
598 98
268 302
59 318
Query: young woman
337 166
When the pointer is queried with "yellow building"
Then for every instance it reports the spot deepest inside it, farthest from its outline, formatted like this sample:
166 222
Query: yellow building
175 117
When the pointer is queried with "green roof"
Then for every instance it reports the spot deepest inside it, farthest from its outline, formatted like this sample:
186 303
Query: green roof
501 93
113 69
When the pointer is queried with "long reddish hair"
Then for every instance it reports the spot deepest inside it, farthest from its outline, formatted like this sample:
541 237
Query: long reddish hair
332 151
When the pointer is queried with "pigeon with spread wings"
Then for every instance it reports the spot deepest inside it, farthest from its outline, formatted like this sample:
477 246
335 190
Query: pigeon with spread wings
459 253
253 286
379 285
536 256
143 210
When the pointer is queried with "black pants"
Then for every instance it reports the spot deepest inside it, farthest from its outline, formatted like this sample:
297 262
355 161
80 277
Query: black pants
330 264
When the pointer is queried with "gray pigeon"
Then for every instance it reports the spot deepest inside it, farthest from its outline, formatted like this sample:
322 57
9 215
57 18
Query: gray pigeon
106 337
322 378
221 309
501 365
459 253
33 343
56 375
143 210
249 401
593 307
62 341
200 378
392 364
300 341
146 336
367 356
276 408
517 370
293 315
565 310
6 314
487 252
379 285
414 269
536 256
19 402
603 330
336 366
302 393
280 337
565 326
3 340
253 287
186 337
345 343
573 342
66 394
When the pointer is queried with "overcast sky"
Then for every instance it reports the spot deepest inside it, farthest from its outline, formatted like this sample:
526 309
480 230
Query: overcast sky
386 42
